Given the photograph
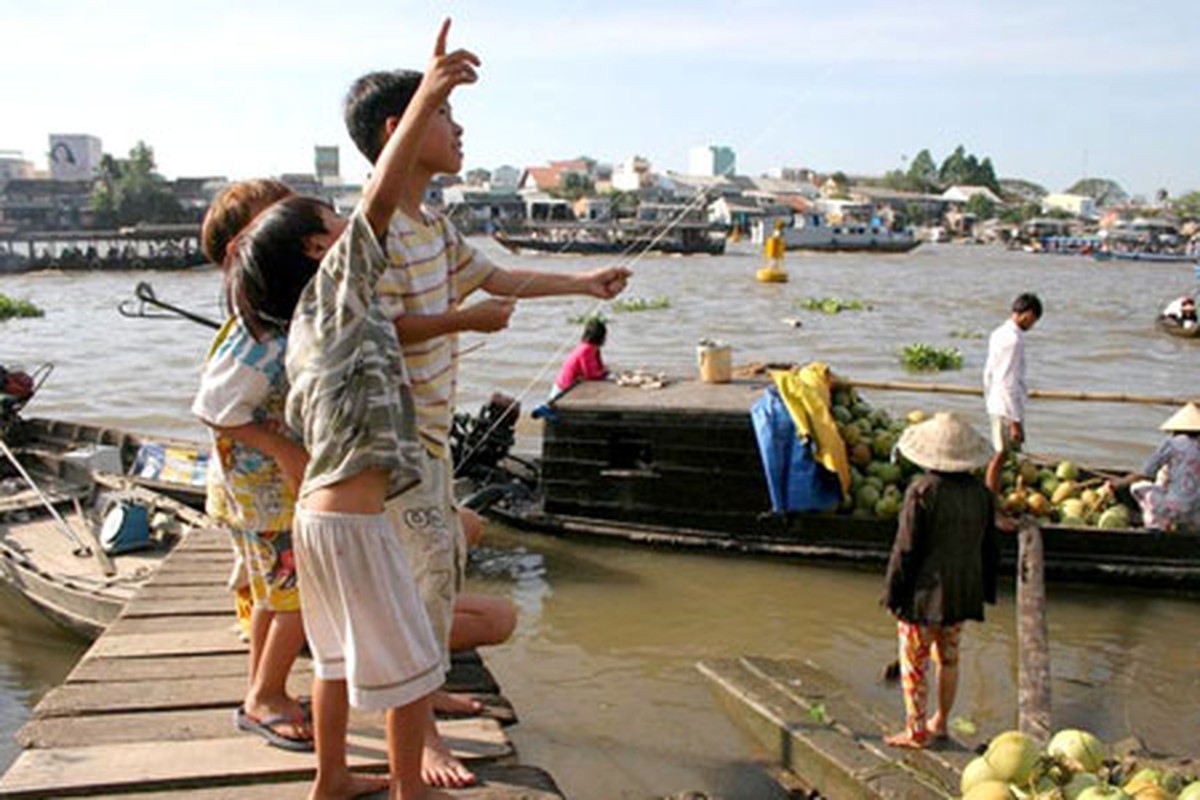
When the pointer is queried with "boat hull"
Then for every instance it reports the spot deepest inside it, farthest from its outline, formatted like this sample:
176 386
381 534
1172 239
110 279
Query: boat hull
1174 328
515 244
680 468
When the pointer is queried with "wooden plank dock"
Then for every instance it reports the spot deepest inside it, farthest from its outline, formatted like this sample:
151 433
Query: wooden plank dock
824 739
149 710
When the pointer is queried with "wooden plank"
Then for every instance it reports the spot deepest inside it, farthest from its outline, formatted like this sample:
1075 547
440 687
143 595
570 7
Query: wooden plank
497 782
165 765
189 724
1033 638
138 626
797 736
209 605
177 642
76 699
93 669
943 764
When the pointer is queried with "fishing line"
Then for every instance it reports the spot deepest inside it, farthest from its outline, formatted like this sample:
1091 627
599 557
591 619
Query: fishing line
624 260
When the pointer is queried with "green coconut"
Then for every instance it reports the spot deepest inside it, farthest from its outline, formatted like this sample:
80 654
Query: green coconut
916 417
1079 748
887 507
867 497
1073 522
1102 791
1190 792
1064 491
1073 508
1012 756
1028 472
989 790
889 473
1078 783
1066 471
1173 782
976 772
1115 517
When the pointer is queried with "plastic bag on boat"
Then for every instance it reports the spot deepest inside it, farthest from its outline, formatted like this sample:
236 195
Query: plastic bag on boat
795 481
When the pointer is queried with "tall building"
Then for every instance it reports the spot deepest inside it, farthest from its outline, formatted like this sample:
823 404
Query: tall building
13 165
712 160
74 156
326 164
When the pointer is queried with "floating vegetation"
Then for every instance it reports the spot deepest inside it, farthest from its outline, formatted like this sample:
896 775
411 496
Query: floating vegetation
817 713
584 319
965 334
922 357
10 308
641 304
831 305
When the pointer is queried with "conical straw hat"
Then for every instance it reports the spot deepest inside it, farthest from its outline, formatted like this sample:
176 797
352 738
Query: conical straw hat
946 443
1185 420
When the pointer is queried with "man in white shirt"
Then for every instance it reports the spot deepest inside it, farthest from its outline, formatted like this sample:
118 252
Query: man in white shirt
1004 382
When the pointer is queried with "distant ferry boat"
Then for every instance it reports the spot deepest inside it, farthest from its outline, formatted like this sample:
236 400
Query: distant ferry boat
659 228
815 233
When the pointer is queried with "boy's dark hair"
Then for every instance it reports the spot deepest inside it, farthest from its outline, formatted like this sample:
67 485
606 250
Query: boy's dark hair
269 267
232 209
371 100
595 331
1027 302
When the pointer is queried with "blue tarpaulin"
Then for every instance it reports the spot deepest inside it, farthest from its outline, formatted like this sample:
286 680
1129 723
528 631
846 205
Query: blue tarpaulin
796 482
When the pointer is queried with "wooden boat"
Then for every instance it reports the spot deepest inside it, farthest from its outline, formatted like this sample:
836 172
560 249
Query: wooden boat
1170 257
571 241
1175 328
680 467
814 232
55 557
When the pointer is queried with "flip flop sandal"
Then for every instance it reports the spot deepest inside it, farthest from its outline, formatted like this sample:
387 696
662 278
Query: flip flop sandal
266 729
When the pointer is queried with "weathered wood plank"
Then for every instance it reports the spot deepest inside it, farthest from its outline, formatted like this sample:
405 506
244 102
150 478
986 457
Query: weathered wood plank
497 782
94 669
220 639
77 699
210 605
166 765
141 626
943 764
187 724
799 738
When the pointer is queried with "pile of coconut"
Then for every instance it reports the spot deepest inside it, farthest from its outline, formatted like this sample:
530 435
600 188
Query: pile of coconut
1075 766
1063 494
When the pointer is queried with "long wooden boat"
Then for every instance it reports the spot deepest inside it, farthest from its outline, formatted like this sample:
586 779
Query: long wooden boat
1145 255
574 242
680 467
56 559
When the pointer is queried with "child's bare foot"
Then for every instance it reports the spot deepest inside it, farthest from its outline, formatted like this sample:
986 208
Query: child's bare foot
350 784
937 727
912 741
449 703
440 768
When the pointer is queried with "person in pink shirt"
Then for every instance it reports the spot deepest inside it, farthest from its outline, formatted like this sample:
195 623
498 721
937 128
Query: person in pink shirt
585 362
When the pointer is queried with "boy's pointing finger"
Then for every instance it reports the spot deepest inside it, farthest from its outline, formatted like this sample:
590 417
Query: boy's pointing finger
439 49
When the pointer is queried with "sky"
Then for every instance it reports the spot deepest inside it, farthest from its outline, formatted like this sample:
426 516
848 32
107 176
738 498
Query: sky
1051 91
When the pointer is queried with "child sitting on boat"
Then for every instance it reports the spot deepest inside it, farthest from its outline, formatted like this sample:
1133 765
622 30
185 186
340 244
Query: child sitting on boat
585 362
943 565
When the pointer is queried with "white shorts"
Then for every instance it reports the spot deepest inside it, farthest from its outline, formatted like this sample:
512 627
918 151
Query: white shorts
364 621
425 519
1002 434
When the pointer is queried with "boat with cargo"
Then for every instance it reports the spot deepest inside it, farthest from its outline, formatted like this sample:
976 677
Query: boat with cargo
88 513
680 467
815 232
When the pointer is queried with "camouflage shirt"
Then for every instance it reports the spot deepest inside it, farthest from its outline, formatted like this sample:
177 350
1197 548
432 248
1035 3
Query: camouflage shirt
349 394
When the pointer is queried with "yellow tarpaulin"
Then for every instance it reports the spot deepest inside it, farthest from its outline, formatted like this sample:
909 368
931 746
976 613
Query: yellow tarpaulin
806 393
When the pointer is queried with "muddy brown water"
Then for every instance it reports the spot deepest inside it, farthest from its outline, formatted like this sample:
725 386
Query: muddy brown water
601 667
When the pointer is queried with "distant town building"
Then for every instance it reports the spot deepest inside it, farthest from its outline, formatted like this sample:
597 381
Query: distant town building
326 163
74 156
479 177
13 165
632 175
505 177
712 160
961 195
1077 205
793 174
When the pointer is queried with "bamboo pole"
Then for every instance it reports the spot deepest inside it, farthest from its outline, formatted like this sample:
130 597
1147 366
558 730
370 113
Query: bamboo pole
1044 394
1033 645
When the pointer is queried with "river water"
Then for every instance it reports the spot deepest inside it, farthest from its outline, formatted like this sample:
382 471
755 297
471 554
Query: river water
601 668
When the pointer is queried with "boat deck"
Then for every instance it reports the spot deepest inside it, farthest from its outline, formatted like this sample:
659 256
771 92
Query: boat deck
148 711
678 395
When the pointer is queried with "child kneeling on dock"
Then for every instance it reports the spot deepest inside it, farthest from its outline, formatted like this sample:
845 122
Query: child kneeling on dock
943 565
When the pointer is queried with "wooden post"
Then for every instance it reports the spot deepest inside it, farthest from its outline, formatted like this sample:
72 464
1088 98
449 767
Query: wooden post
1033 646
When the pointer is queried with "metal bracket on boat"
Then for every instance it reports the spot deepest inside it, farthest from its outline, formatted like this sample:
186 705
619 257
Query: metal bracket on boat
144 293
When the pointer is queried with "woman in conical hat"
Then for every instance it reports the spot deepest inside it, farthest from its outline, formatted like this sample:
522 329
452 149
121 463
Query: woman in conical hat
1168 486
943 564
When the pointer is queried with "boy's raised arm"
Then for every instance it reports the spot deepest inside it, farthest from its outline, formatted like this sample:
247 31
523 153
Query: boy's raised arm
394 168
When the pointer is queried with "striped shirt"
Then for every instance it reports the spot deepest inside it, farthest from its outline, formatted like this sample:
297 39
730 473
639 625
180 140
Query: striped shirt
350 396
431 270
